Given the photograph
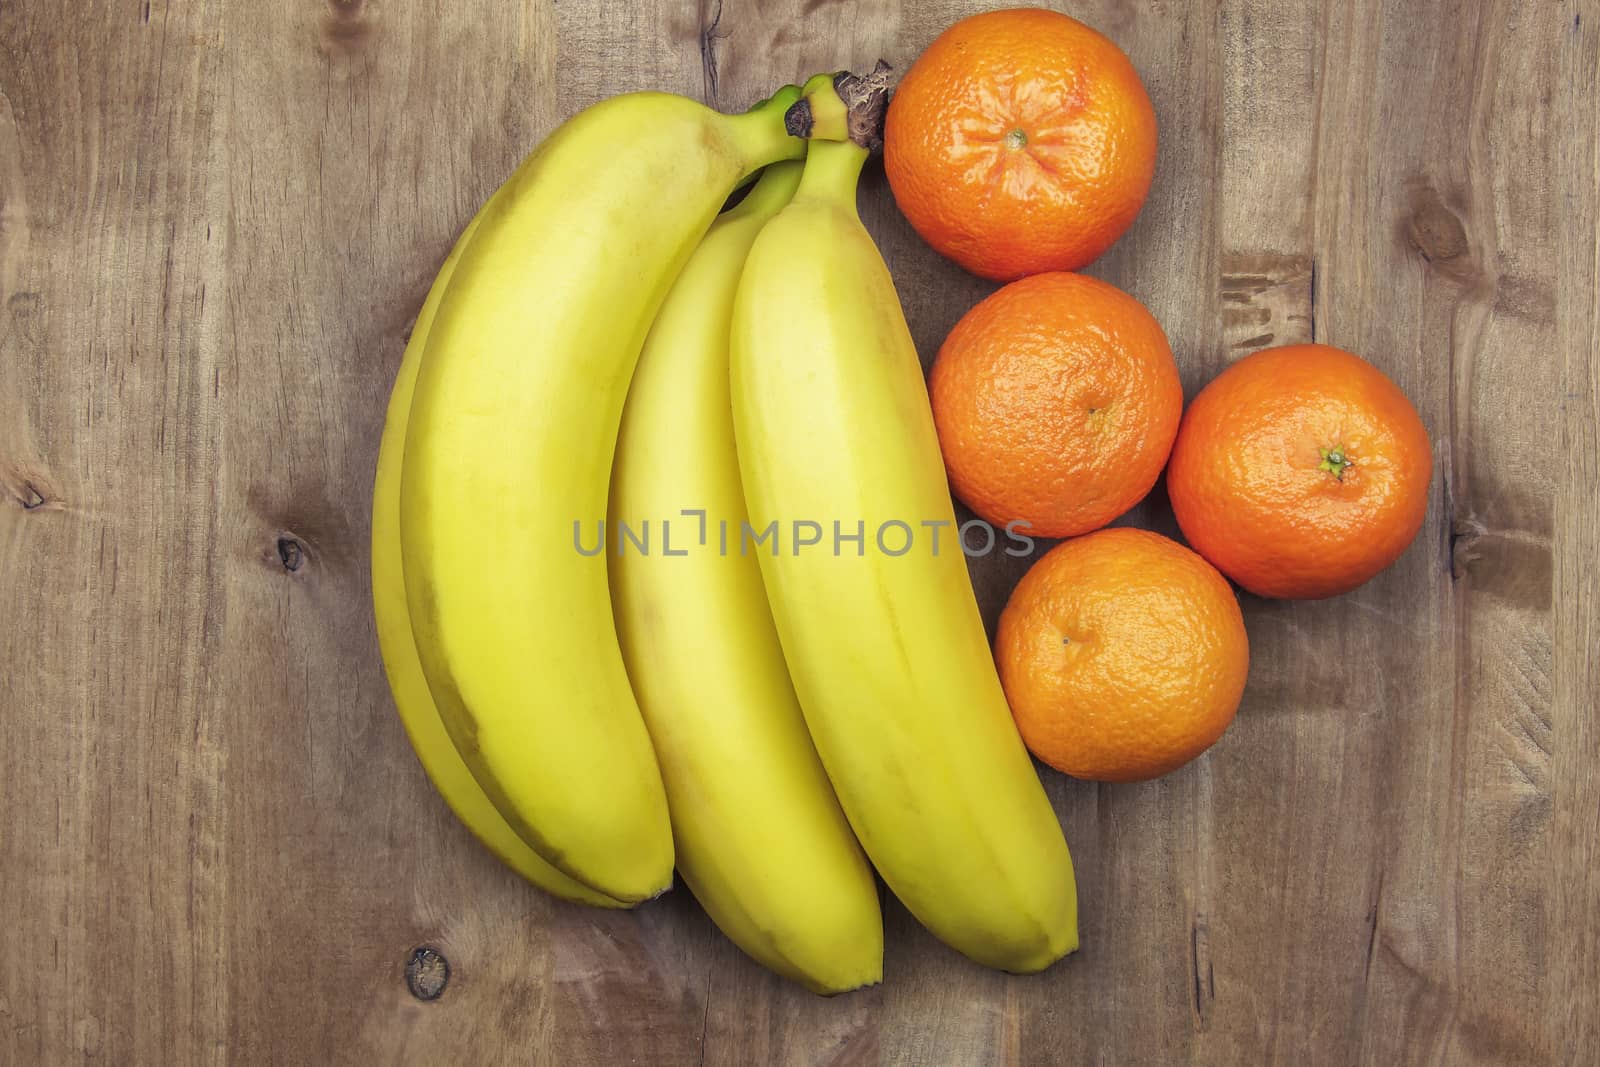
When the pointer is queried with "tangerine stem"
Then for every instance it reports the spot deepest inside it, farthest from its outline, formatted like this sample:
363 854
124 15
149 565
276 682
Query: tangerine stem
1335 461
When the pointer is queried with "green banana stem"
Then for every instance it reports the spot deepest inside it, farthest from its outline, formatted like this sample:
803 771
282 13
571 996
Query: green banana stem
775 187
791 93
760 134
785 97
831 172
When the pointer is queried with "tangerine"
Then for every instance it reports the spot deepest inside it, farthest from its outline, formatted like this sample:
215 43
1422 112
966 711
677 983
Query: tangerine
1056 400
1300 472
1021 141
1123 655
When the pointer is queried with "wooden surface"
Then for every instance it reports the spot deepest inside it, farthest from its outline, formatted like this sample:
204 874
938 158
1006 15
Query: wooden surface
217 219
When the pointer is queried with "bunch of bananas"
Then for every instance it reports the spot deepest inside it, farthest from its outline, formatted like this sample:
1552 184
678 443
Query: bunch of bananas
602 350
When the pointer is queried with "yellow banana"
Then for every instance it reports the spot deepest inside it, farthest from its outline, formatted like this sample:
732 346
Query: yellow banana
760 838
886 648
428 737
508 454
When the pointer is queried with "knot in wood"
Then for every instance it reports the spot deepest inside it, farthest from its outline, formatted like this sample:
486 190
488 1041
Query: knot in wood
1435 231
427 973
291 553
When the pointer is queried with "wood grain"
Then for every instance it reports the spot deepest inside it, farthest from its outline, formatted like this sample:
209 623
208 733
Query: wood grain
217 220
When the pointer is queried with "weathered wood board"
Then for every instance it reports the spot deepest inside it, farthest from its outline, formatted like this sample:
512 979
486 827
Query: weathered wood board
217 219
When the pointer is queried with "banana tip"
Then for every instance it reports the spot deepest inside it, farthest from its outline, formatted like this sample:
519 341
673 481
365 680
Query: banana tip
831 992
799 120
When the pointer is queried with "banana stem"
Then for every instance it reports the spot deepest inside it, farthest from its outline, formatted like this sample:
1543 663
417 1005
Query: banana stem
832 169
775 187
787 96
760 134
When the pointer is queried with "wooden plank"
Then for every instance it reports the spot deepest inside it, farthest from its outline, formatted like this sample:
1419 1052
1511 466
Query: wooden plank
1569 908
112 863
1407 228
1464 977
